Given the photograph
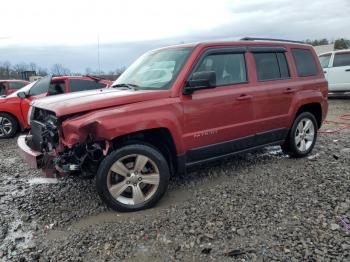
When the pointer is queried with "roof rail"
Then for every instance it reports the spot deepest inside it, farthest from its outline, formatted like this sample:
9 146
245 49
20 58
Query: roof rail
270 39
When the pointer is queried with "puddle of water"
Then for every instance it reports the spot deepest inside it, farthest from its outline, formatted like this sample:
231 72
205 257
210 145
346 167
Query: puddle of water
170 198
42 180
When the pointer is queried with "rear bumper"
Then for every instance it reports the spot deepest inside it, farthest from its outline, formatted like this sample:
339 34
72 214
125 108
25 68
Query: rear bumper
33 158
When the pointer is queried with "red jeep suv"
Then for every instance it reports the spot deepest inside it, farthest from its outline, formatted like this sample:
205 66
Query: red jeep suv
176 107
14 108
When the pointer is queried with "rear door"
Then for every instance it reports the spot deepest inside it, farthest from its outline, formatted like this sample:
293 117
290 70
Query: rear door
339 73
274 93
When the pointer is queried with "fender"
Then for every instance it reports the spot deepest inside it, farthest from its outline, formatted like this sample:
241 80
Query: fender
108 124
307 97
13 108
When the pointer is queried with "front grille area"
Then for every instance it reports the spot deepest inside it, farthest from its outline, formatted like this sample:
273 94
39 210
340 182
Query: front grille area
37 130
44 130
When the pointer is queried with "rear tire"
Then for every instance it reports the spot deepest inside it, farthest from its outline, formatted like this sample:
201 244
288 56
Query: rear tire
132 178
302 137
8 125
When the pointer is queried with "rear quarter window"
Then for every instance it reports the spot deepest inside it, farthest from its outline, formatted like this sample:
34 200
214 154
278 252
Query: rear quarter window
304 62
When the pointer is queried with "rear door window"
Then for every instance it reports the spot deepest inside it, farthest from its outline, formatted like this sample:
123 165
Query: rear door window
17 85
57 87
305 62
76 85
271 66
341 59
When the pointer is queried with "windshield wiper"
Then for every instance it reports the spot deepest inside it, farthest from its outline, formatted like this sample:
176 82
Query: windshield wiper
128 86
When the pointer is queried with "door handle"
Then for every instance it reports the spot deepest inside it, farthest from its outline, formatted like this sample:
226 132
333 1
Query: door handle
244 97
289 90
325 72
347 70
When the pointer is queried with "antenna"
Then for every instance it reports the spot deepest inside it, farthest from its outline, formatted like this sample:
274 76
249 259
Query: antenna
98 54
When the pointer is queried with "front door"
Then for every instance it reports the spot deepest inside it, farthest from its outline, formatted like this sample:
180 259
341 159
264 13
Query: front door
339 74
215 118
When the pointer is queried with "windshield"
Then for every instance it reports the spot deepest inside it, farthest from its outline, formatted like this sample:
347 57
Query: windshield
324 60
155 69
23 89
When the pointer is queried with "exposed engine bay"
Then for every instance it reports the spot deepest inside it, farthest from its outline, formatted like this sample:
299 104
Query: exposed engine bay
82 159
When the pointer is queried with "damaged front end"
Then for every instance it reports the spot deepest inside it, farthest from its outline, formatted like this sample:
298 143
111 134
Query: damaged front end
45 146
81 159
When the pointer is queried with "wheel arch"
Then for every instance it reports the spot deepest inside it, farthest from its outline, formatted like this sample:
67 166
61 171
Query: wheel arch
159 138
15 117
314 108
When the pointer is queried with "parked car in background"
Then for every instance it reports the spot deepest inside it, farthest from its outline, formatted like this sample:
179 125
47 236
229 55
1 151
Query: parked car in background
14 107
177 107
336 66
7 87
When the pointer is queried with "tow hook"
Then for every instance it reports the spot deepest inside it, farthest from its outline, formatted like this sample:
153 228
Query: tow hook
67 168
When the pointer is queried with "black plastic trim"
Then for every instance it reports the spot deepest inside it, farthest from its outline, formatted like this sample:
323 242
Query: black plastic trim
190 164
237 145
270 39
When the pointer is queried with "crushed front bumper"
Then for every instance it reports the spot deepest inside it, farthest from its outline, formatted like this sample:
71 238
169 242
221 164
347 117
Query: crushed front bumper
33 158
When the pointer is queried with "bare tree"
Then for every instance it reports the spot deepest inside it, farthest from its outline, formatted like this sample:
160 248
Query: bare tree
32 66
88 71
59 69
7 68
119 71
42 71
18 68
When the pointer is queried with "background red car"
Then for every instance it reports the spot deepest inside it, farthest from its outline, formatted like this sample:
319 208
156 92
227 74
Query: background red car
9 86
14 107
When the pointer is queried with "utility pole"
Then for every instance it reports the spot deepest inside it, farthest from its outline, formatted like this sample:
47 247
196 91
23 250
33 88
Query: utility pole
98 54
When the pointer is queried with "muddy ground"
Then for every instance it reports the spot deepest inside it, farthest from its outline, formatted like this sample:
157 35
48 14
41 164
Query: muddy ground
261 206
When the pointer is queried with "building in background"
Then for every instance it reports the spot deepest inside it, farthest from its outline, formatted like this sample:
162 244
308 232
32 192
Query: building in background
34 78
25 75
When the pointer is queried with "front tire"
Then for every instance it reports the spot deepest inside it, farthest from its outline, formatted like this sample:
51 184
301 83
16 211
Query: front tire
302 136
132 178
8 125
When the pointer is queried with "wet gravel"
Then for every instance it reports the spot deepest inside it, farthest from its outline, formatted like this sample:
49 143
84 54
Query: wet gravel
261 206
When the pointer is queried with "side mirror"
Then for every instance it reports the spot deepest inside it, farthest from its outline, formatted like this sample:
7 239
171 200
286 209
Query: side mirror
22 94
200 80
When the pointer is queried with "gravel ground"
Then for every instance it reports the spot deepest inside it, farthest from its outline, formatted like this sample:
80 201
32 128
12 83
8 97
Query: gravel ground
261 206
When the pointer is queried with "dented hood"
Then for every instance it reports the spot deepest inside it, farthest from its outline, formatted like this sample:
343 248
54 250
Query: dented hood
84 101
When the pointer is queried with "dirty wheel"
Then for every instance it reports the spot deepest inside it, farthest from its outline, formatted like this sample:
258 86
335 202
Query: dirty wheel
8 125
132 178
302 137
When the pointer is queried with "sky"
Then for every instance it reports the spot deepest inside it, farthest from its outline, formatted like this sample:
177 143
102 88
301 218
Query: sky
67 32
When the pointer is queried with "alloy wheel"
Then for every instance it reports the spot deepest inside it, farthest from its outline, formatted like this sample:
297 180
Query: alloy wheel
133 179
5 126
304 135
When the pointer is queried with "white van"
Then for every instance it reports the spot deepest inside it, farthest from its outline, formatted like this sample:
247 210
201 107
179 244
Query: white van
336 67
